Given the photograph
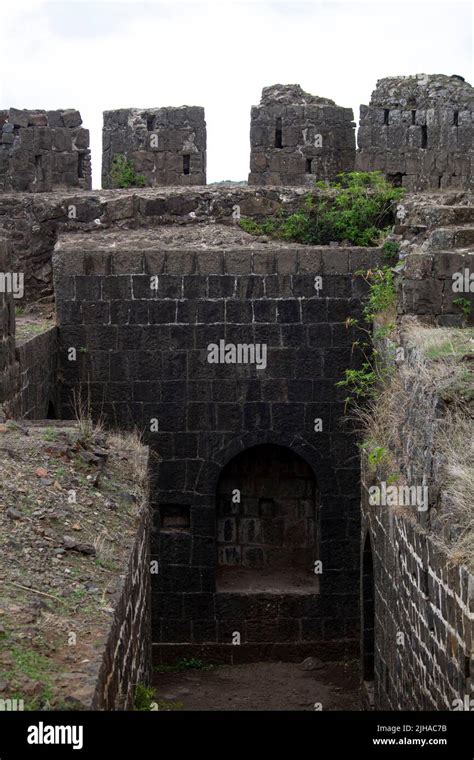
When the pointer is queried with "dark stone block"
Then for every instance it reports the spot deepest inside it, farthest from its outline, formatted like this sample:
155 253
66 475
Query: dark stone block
221 286
194 286
204 552
288 311
198 606
256 416
211 311
167 605
203 521
229 417
293 336
315 311
88 288
170 286
116 288
162 312
204 630
264 311
175 631
200 417
175 547
238 311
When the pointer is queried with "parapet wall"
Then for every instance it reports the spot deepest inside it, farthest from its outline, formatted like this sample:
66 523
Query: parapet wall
418 131
167 146
43 150
297 138
417 599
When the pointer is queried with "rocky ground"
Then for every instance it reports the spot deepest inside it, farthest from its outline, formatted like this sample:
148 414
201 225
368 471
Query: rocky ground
68 509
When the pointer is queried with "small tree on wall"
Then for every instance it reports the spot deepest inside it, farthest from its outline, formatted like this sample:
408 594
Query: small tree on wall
123 173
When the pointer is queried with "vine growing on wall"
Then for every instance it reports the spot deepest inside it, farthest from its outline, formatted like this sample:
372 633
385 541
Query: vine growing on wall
363 383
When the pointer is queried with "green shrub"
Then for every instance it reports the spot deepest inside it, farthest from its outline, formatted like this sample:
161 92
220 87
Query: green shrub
123 173
144 697
357 208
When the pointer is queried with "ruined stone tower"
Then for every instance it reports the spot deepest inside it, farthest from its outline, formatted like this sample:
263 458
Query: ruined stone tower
43 150
418 130
167 146
297 138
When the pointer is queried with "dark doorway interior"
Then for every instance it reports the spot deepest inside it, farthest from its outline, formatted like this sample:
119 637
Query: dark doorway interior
267 523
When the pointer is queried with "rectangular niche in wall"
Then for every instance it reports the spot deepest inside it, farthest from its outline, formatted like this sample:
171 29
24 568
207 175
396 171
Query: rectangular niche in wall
175 517
267 523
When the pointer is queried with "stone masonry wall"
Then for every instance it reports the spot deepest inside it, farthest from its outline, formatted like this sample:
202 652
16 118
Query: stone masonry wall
146 360
418 131
32 222
126 661
37 387
167 146
9 368
43 150
422 611
297 138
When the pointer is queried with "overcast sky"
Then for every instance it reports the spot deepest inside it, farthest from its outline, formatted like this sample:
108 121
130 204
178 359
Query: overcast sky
100 55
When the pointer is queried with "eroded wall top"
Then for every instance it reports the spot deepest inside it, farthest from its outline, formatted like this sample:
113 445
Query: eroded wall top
43 150
418 131
297 138
166 146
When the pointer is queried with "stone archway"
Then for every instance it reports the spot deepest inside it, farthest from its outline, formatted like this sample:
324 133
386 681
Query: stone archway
267 515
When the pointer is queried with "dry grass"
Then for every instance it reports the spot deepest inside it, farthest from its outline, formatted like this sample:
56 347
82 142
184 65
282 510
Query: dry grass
398 422
131 444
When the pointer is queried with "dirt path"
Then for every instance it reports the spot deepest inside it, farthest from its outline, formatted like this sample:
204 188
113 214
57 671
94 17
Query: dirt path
260 686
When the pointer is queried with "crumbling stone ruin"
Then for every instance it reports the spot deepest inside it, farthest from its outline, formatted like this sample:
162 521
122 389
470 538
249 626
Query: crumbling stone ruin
167 146
43 150
297 138
225 350
418 130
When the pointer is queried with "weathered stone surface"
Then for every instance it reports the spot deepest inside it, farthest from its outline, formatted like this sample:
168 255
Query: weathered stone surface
418 130
297 138
43 150
167 146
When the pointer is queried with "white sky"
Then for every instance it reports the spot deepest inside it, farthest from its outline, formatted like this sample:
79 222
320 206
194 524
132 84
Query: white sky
98 55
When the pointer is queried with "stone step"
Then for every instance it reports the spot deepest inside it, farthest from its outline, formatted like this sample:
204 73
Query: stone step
459 236
446 215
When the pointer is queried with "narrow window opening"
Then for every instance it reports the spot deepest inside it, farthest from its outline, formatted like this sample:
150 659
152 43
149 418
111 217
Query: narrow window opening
150 122
278 134
308 166
80 165
186 164
51 413
424 136
439 182
456 118
386 113
413 117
